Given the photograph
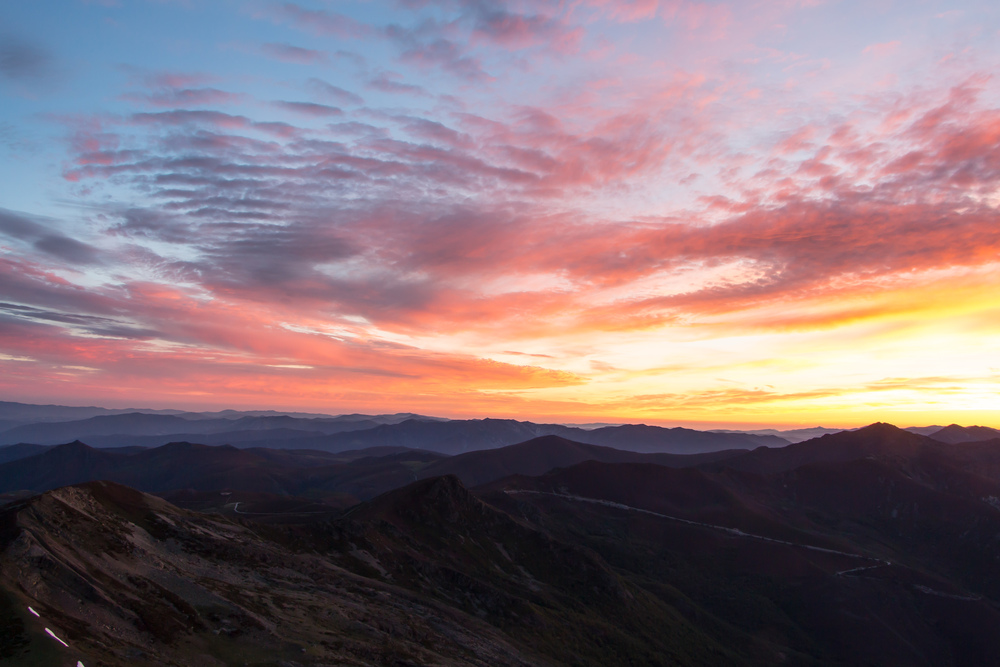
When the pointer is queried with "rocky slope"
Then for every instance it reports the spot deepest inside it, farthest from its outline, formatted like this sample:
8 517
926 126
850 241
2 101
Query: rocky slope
125 578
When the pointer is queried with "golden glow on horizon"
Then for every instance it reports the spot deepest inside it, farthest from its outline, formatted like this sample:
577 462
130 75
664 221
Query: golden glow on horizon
912 354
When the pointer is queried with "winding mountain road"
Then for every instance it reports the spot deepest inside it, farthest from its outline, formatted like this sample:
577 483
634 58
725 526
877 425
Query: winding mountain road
736 532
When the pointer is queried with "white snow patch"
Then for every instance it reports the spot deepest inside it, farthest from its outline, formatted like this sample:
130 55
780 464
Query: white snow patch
53 635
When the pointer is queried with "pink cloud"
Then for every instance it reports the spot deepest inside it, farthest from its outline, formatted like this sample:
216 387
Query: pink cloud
712 19
225 346
799 140
443 204
628 10
520 31
446 55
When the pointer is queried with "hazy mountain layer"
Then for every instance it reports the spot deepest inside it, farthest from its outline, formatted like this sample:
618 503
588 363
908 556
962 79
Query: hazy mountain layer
955 434
150 430
540 455
358 475
460 436
790 435
349 432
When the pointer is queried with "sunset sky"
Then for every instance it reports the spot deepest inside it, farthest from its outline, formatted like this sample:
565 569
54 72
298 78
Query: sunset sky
673 212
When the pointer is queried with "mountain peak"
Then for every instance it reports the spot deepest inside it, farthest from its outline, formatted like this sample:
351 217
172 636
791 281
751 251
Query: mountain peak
875 440
76 444
879 427
76 448
436 501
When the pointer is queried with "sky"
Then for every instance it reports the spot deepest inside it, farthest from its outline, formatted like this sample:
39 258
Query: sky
665 211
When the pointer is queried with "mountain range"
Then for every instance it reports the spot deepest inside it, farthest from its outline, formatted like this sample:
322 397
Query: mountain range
354 476
867 547
99 427
304 539
350 432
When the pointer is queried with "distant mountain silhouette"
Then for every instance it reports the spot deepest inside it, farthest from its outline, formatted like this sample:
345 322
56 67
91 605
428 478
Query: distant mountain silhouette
27 413
542 454
53 424
460 436
875 440
790 435
363 475
368 472
240 439
67 464
19 451
183 465
972 467
923 430
955 434
59 432
451 437
344 432
150 430
650 439
177 465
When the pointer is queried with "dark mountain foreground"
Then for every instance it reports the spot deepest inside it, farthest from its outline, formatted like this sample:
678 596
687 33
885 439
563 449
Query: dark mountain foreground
870 547
124 578
14 452
427 574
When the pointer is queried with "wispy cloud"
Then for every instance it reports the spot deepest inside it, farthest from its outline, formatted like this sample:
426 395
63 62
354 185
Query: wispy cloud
23 60
46 240
310 109
317 21
293 54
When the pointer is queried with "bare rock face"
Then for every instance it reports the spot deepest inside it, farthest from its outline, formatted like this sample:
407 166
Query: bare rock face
428 574
123 577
